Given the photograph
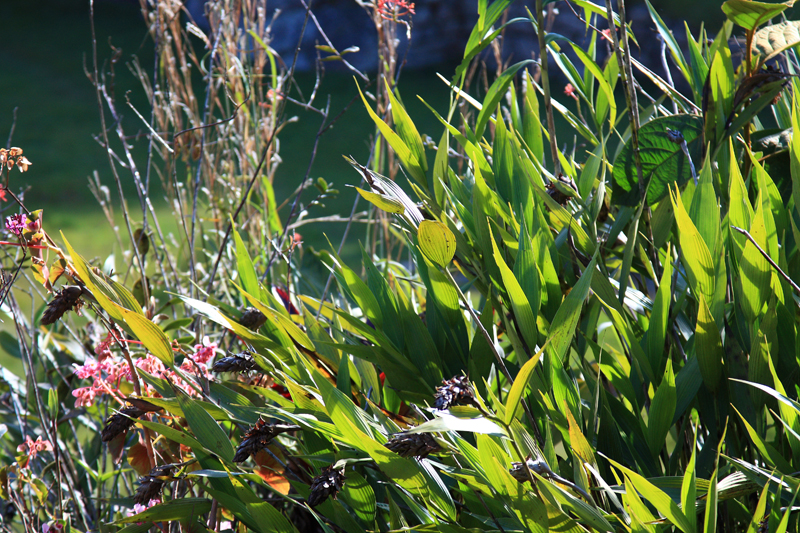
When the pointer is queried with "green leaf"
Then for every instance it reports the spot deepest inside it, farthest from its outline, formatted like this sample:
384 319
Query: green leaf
359 495
672 44
244 265
689 490
153 338
660 500
761 507
662 411
407 131
708 346
437 242
523 313
663 161
704 210
657 331
272 520
531 124
563 325
520 384
440 167
694 252
526 271
495 93
740 212
750 14
605 87
358 290
390 205
784 523
755 273
103 293
280 320
404 153
710 521
171 510
205 428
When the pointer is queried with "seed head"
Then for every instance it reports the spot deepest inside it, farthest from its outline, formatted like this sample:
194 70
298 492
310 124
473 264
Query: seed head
328 483
258 437
252 318
151 485
240 362
413 444
456 391
119 423
69 298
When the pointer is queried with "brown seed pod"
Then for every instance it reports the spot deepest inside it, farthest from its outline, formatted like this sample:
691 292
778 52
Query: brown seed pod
258 437
121 422
456 391
252 318
328 483
413 444
240 362
68 298
151 485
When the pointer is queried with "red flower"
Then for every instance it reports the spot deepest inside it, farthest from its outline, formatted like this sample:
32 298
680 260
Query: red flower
569 90
394 9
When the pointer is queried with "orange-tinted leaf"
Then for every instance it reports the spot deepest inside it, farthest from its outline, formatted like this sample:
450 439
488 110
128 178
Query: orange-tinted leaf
271 471
137 458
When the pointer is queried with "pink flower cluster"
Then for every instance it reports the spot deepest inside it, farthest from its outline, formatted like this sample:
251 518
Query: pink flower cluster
394 9
139 508
106 377
54 526
108 372
32 447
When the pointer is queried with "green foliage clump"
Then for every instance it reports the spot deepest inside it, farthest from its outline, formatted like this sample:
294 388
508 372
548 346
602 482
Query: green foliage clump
601 339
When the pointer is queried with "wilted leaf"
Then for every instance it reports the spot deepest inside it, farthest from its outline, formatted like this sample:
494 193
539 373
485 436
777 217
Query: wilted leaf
137 458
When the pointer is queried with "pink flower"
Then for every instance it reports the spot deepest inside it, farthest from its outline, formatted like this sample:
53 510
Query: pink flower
152 365
103 349
89 369
52 527
16 223
139 508
569 90
32 447
607 35
85 396
204 353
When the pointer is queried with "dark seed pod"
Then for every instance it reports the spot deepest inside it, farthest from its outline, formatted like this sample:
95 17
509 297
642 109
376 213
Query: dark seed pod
239 362
144 405
67 298
328 483
119 423
151 485
252 318
258 437
413 444
456 391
